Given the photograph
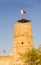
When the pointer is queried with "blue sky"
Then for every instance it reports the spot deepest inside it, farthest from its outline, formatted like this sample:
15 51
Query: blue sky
10 13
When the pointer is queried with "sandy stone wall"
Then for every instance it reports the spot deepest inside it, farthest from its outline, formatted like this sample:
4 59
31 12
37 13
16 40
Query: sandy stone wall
22 29
23 39
6 60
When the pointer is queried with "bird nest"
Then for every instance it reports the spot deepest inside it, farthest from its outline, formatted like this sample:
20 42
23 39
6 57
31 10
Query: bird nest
24 21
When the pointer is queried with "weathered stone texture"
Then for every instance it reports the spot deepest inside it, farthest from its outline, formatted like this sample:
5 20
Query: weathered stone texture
23 34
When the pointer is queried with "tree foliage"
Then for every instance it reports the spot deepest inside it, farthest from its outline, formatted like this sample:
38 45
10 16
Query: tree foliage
32 57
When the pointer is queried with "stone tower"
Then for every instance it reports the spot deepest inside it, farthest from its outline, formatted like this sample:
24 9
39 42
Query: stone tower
23 42
23 39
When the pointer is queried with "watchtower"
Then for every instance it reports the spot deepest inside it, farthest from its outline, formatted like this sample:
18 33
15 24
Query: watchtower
23 38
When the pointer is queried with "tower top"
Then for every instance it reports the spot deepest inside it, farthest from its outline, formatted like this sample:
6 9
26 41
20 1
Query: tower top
24 21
